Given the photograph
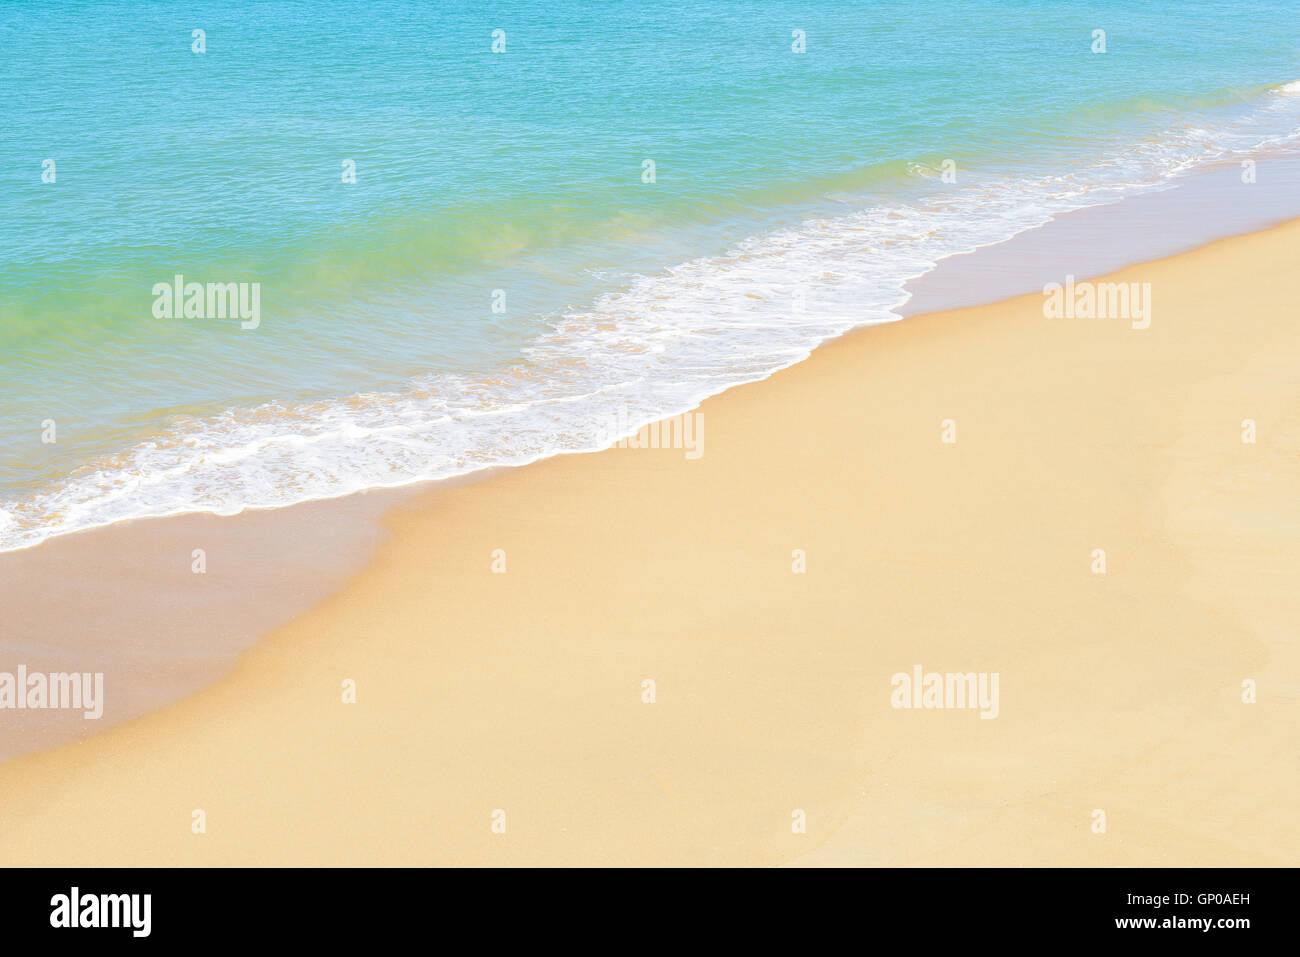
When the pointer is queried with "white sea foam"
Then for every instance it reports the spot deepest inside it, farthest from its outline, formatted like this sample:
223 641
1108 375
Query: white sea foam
653 349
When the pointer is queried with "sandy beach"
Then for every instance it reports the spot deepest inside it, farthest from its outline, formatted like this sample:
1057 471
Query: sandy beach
480 691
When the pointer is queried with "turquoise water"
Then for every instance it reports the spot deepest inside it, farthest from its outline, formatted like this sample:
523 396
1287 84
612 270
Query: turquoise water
794 193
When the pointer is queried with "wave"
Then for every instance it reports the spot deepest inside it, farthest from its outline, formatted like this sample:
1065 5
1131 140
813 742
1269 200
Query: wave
653 349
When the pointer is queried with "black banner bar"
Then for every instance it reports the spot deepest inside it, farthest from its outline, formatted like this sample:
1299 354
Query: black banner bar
1149 906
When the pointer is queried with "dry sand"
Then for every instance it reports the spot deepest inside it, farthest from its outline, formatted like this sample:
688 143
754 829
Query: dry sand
523 691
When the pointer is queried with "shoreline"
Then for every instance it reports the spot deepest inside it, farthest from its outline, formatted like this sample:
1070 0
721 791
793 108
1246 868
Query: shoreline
1086 240
192 653
522 690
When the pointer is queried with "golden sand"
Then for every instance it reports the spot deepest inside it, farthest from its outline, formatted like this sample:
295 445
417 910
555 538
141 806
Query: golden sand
523 691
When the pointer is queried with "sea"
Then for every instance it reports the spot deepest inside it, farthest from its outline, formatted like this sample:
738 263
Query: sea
473 234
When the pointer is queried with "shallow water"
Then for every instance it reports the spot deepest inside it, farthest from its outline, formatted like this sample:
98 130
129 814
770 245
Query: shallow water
794 196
